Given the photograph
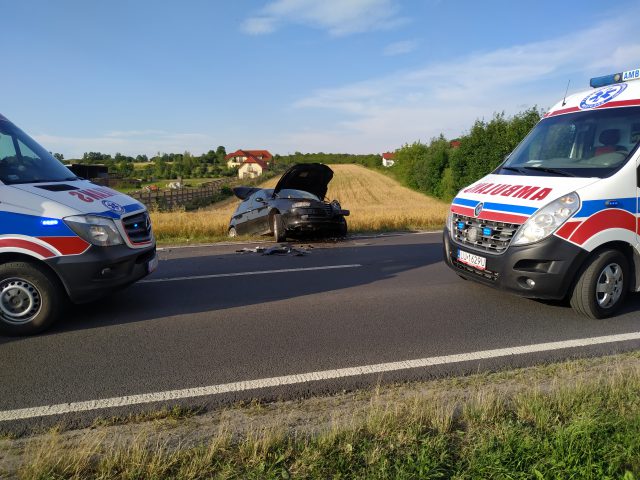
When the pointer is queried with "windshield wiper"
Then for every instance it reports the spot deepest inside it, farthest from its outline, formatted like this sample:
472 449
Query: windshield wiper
513 169
551 170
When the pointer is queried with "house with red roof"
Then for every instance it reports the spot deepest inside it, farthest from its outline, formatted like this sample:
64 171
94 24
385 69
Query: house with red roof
252 167
238 157
250 163
388 159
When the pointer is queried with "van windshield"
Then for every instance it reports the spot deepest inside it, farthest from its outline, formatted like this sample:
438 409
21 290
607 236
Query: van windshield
592 143
22 160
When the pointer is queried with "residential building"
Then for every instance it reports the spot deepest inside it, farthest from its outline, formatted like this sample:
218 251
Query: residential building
252 167
238 157
388 159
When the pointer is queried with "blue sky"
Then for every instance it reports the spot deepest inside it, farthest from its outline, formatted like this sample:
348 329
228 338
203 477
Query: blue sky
357 76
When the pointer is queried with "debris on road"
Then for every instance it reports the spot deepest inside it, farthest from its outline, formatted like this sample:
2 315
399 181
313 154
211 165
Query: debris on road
251 250
282 249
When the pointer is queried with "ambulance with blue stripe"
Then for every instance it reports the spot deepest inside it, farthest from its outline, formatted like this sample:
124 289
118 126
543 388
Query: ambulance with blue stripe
559 217
61 237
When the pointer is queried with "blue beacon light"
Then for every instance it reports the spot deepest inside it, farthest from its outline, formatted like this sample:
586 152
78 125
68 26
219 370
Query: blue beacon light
614 78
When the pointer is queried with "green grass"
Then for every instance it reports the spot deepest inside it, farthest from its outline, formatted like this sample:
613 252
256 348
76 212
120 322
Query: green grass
550 422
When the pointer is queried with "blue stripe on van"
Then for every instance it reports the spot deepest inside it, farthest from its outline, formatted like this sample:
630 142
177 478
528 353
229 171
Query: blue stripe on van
499 207
33 226
589 207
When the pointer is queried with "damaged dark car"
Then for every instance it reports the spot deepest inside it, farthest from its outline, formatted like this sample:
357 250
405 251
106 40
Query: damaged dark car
295 207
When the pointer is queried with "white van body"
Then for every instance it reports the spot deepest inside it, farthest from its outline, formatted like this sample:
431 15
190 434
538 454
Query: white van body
559 217
61 236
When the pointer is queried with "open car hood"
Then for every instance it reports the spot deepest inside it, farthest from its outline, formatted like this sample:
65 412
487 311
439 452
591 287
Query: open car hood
309 177
244 192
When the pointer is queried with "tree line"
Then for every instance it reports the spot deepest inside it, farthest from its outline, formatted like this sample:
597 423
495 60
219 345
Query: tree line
442 167
163 165
211 164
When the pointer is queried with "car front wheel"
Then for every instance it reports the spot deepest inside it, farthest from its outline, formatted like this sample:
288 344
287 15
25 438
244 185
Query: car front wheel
30 298
278 228
602 285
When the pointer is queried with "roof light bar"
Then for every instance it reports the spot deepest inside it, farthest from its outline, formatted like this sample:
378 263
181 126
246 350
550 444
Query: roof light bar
605 80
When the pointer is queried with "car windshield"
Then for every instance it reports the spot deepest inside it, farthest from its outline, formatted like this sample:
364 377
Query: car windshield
592 143
290 193
22 160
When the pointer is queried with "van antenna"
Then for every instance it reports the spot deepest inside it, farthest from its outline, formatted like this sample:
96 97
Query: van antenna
564 100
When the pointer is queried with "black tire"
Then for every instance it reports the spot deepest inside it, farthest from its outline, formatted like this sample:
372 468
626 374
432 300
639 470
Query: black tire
233 232
278 229
601 285
343 228
31 298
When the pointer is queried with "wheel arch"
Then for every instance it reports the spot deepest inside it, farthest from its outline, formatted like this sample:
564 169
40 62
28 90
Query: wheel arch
7 257
631 254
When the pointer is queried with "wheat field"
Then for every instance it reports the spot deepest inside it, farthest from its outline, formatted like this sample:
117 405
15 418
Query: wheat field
377 203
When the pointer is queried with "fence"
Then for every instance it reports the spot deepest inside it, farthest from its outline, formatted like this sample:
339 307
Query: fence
182 197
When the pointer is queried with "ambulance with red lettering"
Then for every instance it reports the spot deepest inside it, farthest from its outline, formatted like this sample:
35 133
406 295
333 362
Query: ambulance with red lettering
559 217
61 237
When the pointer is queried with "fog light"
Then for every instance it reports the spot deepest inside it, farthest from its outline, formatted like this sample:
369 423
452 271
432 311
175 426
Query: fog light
530 283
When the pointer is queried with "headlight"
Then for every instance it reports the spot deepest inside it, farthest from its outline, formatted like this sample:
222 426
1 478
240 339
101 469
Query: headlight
301 205
547 220
99 231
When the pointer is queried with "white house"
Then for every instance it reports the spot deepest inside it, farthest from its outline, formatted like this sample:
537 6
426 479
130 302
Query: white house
252 167
388 159
238 157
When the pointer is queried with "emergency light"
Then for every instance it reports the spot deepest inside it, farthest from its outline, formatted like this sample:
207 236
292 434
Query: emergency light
605 80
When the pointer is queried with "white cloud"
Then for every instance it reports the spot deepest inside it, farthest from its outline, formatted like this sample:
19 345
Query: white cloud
447 97
338 17
400 48
259 25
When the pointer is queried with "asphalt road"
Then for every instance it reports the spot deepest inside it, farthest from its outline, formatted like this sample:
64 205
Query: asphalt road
348 305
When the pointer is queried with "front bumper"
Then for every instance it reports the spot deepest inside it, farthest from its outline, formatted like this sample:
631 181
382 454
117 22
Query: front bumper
295 223
101 270
551 263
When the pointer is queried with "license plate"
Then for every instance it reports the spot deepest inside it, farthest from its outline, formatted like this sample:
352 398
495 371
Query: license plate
475 261
153 264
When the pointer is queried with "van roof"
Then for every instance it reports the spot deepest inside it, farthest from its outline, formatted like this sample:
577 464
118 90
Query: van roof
625 94
2 117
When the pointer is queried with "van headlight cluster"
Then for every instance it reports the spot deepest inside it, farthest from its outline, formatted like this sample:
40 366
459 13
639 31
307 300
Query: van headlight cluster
96 230
547 220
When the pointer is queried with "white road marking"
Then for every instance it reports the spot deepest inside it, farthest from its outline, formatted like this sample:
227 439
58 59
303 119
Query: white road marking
172 395
244 274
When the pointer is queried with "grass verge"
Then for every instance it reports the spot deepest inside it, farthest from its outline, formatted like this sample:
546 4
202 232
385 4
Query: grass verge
577 419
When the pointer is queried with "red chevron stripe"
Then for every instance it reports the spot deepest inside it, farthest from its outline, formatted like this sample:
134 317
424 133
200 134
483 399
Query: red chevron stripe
26 245
604 220
67 245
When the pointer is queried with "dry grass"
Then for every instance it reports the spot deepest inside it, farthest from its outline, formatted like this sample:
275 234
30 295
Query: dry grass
376 202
